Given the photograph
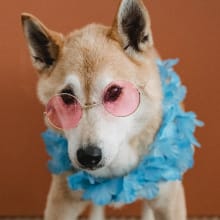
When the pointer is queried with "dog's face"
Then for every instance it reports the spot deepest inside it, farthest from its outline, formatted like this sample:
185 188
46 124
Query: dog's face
83 64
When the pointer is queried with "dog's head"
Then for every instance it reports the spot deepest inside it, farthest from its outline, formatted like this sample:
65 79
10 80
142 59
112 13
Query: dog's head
82 65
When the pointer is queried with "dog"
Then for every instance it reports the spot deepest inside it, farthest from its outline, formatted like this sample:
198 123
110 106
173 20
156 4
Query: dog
84 64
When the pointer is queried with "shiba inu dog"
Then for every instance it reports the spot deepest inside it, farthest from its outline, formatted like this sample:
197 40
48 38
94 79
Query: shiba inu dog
107 137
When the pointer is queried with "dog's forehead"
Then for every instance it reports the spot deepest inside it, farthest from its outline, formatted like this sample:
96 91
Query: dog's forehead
85 50
91 56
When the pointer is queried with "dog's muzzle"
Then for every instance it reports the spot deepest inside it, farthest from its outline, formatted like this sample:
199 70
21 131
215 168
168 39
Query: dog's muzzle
89 157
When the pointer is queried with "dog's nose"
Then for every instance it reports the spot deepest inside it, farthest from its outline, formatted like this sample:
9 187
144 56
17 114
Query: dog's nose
89 157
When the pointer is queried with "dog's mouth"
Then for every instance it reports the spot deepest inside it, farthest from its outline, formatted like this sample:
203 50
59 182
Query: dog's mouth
91 168
104 170
93 160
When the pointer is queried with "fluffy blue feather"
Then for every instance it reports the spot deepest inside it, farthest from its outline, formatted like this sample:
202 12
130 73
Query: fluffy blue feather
171 153
56 146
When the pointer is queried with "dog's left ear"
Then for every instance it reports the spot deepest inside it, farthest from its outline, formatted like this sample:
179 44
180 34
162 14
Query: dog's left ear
132 27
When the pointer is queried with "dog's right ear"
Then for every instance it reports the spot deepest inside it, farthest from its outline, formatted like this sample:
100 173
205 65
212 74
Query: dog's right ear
44 45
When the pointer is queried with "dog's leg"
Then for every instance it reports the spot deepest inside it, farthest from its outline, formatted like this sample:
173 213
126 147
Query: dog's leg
147 212
170 205
63 204
97 213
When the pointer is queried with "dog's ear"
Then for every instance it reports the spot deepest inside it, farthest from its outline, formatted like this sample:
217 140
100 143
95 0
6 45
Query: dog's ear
132 27
44 45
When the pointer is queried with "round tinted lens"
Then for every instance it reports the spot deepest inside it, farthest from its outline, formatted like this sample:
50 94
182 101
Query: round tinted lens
121 98
64 111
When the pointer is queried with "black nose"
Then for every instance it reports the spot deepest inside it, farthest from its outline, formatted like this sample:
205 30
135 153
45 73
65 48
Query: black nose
89 156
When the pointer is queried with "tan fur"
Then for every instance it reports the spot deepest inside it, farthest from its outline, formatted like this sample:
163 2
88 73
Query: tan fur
82 55
90 54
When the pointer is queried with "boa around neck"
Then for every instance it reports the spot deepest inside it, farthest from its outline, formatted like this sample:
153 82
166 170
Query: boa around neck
170 156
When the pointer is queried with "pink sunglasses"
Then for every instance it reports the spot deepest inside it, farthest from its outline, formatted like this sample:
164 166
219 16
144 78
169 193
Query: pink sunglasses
120 99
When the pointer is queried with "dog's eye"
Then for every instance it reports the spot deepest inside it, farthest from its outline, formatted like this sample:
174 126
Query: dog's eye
68 91
113 93
68 99
67 96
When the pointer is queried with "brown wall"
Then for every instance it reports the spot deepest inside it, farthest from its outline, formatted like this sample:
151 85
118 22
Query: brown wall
185 29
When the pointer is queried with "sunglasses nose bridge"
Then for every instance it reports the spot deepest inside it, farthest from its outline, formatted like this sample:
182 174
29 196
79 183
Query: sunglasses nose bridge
88 106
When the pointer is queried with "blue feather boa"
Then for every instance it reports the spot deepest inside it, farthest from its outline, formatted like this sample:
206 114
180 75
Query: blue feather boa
170 155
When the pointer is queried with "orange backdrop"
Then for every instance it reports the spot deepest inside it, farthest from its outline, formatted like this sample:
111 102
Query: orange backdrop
186 29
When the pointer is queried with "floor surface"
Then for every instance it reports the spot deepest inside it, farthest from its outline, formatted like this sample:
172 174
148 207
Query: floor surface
202 218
